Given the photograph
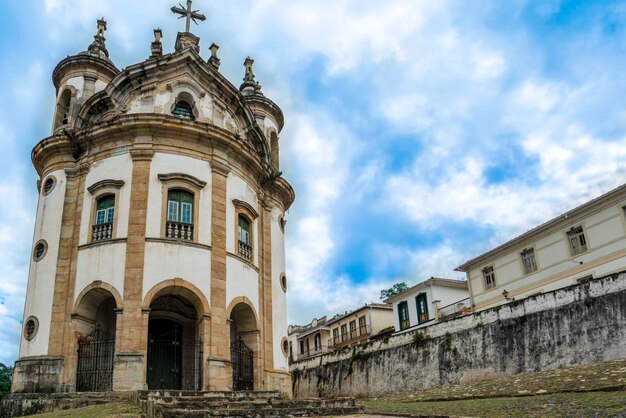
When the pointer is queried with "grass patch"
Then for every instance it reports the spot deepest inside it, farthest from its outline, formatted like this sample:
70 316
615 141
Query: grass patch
596 404
107 410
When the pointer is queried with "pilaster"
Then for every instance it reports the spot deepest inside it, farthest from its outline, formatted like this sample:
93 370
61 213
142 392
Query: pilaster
219 368
131 352
62 339
266 291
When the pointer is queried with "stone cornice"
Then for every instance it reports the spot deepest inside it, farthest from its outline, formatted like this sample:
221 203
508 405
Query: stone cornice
102 184
79 64
141 154
168 135
270 106
183 178
246 207
220 168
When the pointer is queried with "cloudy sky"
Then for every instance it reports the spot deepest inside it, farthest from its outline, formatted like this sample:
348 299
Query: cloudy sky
418 133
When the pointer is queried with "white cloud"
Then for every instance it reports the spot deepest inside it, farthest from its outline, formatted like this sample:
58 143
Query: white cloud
460 94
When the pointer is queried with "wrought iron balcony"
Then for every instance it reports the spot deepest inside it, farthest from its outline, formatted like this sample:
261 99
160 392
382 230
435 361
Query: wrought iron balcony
350 336
245 251
179 230
102 232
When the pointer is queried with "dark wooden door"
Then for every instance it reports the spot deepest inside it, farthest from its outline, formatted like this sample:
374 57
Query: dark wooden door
165 354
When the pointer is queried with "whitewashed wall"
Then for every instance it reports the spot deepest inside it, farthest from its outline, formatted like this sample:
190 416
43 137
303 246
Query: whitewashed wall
241 280
236 188
115 168
606 242
164 261
42 274
279 297
103 262
168 163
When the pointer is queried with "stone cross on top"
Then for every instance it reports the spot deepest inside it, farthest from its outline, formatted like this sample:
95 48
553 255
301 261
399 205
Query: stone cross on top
189 14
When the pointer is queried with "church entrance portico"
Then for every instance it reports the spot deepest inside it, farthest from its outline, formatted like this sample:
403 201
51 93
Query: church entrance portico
174 348
244 347
95 322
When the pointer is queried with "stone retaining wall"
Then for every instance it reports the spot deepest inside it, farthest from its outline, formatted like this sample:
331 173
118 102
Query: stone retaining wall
20 404
575 325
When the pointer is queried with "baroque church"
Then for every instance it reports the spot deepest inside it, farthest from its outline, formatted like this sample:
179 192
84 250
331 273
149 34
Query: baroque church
158 252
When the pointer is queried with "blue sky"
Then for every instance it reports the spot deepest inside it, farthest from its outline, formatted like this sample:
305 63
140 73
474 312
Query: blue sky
418 133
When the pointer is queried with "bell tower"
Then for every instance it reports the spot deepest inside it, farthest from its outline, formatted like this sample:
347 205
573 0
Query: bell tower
79 77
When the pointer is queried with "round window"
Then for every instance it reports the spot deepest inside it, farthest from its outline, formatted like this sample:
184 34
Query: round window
283 282
31 327
48 185
285 346
41 247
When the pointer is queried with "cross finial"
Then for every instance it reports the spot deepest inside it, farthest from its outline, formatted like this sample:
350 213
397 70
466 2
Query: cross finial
188 14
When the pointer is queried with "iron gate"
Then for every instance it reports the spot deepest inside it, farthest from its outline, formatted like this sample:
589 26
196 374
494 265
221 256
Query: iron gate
95 362
174 364
241 357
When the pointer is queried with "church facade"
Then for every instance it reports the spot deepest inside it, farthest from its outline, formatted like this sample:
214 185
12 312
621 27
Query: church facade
158 251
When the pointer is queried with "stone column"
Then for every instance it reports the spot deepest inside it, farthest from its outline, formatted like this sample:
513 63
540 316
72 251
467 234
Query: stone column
204 330
90 86
131 352
62 341
219 368
267 341
436 309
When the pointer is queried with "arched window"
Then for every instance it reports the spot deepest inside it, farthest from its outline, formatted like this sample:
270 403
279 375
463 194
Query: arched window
62 116
274 149
179 214
183 110
105 210
103 223
244 237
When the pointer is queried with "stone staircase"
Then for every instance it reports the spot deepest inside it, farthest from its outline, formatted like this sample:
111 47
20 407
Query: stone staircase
189 404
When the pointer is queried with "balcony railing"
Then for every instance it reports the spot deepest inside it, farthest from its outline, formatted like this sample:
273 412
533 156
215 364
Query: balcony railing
245 251
455 309
179 230
349 337
312 352
102 232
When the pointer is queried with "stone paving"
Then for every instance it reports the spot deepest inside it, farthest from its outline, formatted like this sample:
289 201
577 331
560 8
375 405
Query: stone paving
602 376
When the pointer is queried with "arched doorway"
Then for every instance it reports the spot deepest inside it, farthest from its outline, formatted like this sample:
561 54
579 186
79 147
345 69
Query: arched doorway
174 349
244 346
95 320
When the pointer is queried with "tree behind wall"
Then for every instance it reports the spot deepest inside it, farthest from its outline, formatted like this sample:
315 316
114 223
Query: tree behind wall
396 289
6 375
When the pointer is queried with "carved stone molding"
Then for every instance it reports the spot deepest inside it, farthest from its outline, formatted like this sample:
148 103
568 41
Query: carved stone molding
183 178
219 168
102 184
240 204
141 154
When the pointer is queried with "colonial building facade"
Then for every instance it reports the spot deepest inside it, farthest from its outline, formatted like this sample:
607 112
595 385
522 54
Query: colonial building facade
430 301
350 329
158 257
585 243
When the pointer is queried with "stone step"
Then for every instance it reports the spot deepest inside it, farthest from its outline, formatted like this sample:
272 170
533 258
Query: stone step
258 413
259 403
194 404
142 394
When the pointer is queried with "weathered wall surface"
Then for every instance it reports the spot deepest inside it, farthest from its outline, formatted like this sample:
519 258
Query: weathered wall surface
579 324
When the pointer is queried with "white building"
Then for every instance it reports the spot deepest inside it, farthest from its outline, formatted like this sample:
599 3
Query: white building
159 235
349 329
429 301
309 340
584 243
